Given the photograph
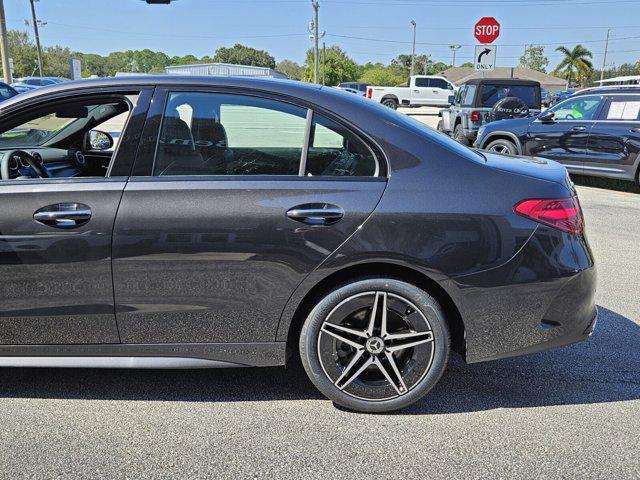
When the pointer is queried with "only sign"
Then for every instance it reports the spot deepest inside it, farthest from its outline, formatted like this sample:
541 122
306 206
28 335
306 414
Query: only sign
487 30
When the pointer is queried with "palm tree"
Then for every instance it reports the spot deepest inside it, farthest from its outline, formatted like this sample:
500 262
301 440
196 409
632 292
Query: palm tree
576 62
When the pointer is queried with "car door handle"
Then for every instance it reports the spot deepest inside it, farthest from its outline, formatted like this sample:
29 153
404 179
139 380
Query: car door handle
63 215
434 91
416 91
316 214
579 128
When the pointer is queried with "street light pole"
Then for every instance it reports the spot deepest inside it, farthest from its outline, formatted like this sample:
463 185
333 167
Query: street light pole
324 63
604 58
4 46
454 48
413 53
37 35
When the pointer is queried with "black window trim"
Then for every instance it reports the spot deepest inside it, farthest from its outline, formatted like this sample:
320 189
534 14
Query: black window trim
145 158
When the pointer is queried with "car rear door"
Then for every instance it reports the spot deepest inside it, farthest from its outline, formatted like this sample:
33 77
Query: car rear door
55 249
420 91
614 142
235 198
565 137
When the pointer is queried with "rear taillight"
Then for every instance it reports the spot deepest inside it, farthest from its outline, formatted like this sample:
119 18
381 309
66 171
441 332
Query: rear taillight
562 213
369 92
475 116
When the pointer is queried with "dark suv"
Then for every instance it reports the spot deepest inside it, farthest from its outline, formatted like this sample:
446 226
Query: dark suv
593 132
483 100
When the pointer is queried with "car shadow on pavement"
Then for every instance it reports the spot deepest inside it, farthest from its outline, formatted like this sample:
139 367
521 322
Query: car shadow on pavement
606 368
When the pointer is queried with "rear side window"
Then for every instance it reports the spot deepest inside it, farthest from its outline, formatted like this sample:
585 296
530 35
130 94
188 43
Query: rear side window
336 151
422 82
5 93
469 95
491 94
224 134
622 107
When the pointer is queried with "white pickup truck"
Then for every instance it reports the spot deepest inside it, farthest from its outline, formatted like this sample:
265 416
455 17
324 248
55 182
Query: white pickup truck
422 90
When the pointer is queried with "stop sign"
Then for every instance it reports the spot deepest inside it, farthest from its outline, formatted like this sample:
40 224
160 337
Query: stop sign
487 30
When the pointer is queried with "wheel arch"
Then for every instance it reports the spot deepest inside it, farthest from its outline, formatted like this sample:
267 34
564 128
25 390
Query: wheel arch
502 136
377 269
390 96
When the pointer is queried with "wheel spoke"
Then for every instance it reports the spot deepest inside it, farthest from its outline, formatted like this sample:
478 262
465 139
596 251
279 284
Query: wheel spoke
351 378
352 331
340 337
348 368
378 305
407 340
397 384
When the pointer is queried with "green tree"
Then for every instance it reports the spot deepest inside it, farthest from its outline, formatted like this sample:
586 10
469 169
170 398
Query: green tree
93 64
381 76
291 69
575 64
402 64
57 61
184 60
24 54
338 66
534 59
243 55
467 65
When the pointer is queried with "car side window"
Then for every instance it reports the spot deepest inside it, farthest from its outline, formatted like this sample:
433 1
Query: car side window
438 83
579 108
469 95
422 82
229 134
622 108
336 151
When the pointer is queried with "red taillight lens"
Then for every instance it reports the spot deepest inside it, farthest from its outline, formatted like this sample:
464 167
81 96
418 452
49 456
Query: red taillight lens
562 213
475 116
369 92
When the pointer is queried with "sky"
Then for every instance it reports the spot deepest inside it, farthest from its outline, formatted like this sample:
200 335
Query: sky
368 30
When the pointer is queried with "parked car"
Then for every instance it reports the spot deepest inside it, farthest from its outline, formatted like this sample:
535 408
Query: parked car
6 92
483 100
241 220
420 90
354 87
561 96
594 132
546 97
40 81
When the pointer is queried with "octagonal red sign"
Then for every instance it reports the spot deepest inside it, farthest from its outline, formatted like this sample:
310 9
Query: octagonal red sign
487 30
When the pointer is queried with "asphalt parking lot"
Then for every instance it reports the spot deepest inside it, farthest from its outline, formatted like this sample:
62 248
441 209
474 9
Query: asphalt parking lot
568 413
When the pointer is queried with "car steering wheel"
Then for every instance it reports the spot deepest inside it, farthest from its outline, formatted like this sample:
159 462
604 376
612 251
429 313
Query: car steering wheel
40 170
568 116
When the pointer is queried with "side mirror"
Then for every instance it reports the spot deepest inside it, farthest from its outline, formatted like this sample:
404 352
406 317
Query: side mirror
97 140
452 99
449 86
546 117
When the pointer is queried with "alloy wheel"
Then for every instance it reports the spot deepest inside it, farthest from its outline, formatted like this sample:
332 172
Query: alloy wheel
499 148
376 346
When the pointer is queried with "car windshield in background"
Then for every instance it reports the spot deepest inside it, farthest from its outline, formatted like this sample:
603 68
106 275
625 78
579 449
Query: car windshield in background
35 132
491 94
5 93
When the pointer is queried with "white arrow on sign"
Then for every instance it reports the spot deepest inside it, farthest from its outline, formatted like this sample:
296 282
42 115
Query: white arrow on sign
485 58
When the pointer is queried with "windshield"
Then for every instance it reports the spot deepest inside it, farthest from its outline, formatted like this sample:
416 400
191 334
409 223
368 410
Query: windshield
6 93
34 132
492 93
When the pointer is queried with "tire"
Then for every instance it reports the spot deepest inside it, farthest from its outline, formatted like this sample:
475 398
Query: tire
440 126
358 374
459 136
505 147
390 103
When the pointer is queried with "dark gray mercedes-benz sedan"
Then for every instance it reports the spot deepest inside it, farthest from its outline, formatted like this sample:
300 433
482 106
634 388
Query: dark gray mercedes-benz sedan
187 222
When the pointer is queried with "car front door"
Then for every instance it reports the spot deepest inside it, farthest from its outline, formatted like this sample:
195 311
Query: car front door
564 137
237 202
614 143
55 240
439 91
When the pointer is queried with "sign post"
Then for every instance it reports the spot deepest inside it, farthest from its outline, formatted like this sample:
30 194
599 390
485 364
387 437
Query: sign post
486 31
76 69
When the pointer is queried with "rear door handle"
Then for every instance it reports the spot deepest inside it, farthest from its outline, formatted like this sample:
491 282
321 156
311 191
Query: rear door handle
579 128
63 215
316 213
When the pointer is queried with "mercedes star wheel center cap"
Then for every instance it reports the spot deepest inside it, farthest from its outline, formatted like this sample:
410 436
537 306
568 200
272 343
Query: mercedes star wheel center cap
374 345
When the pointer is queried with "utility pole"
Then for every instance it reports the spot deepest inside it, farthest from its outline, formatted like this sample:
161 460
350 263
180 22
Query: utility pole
37 35
454 48
316 35
604 58
413 53
324 63
4 46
